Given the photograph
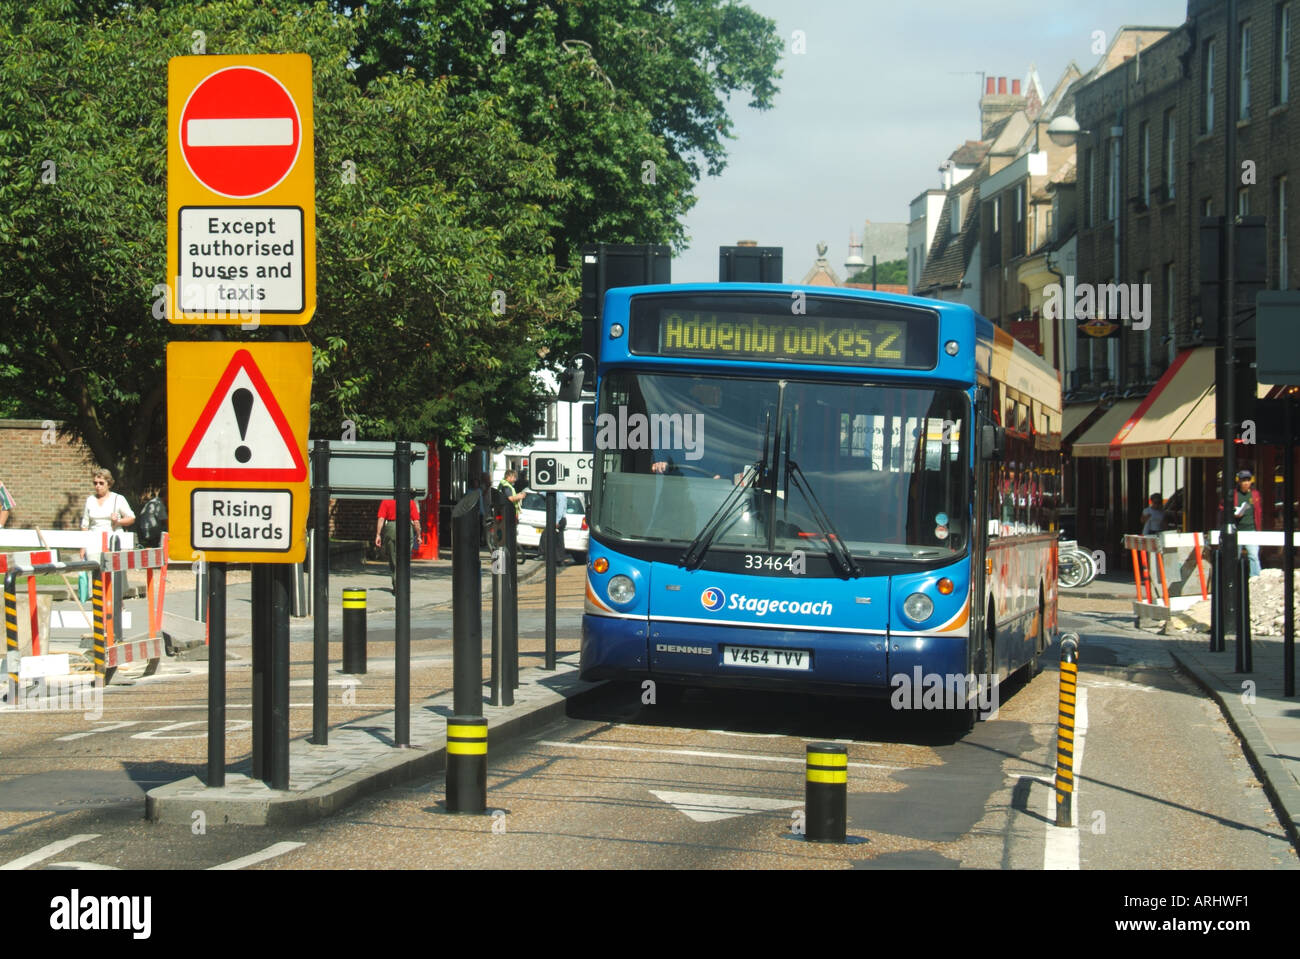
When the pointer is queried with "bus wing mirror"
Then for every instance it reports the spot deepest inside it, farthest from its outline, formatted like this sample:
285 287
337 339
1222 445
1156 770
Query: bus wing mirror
571 386
993 442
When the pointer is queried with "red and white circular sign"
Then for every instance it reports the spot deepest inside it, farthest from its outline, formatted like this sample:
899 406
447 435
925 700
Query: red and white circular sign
240 132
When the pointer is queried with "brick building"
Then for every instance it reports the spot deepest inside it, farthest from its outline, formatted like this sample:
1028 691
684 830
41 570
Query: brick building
1151 154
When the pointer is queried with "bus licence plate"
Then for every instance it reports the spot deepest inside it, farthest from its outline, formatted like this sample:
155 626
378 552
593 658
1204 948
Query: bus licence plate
769 658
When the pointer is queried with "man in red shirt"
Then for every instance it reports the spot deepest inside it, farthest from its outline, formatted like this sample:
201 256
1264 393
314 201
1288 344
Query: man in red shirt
386 532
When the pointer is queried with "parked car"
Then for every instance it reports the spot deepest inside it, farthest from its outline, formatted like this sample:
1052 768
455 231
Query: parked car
532 521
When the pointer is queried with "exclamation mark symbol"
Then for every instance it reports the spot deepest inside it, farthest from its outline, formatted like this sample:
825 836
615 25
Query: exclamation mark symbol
242 400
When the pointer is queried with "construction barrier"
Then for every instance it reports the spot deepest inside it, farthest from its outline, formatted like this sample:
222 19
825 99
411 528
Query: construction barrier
119 651
1148 556
13 654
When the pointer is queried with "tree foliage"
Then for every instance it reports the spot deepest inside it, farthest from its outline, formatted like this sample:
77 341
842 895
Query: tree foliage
478 169
630 96
891 271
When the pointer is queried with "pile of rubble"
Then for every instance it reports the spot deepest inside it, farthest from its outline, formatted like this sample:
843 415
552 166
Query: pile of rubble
1266 608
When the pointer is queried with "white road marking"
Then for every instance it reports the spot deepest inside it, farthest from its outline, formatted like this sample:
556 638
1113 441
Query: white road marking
45 852
711 807
105 726
232 725
78 864
240 132
706 754
270 852
1061 849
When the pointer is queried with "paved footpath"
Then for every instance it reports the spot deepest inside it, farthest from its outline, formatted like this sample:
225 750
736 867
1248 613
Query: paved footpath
1264 719
360 757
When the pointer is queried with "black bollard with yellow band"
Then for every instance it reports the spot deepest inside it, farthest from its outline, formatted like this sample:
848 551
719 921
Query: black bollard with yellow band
354 630
467 764
1065 730
826 792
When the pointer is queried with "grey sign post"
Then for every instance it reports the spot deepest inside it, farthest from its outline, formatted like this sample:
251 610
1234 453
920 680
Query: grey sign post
364 470
549 472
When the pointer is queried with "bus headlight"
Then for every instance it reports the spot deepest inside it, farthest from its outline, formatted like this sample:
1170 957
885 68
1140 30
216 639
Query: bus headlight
621 589
918 607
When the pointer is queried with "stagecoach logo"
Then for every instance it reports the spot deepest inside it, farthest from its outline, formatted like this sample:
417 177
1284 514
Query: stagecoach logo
712 599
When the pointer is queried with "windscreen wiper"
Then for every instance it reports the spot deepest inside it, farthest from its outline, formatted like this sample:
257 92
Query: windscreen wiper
839 553
752 477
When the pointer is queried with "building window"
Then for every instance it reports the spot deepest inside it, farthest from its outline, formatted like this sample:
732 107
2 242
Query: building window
1282 265
1091 161
1243 78
1243 201
1112 186
1171 134
1207 88
1207 207
1144 292
1170 329
1144 146
550 426
1282 54
956 215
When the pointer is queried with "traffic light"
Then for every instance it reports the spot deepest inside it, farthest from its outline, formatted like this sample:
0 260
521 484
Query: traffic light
497 521
607 265
1250 270
1245 386
750 264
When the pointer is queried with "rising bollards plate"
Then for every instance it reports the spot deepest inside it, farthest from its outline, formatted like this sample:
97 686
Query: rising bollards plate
467 764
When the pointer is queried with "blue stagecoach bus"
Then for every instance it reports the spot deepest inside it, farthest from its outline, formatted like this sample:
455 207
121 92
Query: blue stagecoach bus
817 490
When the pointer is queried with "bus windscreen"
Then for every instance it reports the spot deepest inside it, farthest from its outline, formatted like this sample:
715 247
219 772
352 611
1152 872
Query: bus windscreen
779 328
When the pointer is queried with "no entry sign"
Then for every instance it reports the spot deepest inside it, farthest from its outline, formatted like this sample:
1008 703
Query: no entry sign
240 132
241 188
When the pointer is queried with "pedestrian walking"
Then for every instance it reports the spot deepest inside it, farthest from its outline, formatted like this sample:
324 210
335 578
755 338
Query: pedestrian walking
386 533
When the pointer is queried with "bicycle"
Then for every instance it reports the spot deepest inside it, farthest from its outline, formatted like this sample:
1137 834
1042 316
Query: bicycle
1076 566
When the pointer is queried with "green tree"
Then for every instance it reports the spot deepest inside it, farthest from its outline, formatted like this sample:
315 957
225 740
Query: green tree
891 271
448 206
630 96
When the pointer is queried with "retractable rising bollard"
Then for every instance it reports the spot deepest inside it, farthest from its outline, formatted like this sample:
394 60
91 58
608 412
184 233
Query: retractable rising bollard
826 786
1065 730
354 630
467 764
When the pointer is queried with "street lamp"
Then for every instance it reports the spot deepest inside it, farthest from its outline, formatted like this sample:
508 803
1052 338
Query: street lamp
1064 131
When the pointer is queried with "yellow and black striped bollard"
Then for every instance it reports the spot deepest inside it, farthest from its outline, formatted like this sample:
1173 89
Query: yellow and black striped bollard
11 636
354 630
97 653
1065 730
826 790
467 764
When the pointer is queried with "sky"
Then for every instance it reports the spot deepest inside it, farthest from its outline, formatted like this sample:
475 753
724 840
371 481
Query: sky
883 94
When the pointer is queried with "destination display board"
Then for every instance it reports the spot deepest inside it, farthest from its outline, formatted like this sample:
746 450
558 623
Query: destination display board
837 332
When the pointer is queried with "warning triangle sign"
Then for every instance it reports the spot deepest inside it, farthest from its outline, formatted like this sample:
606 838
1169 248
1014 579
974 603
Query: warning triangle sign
242 434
